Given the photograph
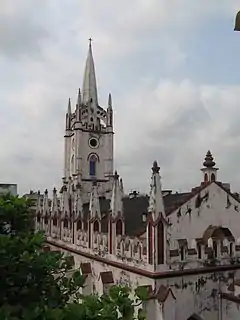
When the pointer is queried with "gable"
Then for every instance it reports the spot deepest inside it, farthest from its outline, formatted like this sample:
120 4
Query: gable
213 205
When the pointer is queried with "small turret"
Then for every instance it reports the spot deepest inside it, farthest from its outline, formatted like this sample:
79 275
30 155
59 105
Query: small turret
116 200
54 205
78 204
46 210
156 206
94 205
209 171
156 223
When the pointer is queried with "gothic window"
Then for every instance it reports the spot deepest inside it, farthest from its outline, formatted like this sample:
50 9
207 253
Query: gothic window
205 177
92 165
79 225
96 226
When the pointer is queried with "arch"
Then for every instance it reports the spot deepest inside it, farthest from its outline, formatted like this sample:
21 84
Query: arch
119 227
95 155
205 177
217 233
213 177
96 226
93 165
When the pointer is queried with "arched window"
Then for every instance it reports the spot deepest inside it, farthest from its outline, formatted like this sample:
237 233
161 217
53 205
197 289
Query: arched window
205 177
96 226
213 178
92 165
79 225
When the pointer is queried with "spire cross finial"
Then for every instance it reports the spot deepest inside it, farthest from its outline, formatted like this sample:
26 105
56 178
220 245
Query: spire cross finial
90 41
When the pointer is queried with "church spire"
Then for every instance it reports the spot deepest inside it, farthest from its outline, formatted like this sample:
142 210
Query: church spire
89 90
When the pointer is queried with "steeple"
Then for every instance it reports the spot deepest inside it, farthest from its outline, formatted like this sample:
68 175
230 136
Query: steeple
156 206
89 90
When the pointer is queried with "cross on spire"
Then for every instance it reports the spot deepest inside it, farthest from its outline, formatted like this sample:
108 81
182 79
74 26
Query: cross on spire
90 40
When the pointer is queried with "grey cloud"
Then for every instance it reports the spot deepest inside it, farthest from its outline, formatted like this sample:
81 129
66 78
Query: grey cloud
147 127
22 28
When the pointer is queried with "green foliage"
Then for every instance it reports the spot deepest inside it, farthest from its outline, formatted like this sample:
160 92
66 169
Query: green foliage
40 285
16 216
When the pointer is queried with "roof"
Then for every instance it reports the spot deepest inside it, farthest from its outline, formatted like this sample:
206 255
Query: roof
135 206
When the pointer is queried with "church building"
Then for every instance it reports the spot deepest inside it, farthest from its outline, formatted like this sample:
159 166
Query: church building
183 247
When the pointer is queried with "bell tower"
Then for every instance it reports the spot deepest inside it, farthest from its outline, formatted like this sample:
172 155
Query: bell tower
89 138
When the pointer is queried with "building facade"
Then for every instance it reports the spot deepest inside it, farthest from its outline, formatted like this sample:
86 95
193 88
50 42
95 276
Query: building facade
183 247
8 188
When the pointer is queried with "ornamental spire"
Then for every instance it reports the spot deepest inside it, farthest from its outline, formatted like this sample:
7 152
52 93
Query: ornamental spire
156 205
89 90
116 200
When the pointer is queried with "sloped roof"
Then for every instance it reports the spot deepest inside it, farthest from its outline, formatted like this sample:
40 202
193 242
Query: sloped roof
135 207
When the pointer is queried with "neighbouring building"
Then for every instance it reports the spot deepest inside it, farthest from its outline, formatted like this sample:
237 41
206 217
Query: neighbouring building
8 188
183 247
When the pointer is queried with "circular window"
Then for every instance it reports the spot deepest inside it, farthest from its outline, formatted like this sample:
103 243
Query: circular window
93 142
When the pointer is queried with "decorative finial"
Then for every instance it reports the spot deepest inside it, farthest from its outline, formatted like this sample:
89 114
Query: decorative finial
90 41
155 167
209 160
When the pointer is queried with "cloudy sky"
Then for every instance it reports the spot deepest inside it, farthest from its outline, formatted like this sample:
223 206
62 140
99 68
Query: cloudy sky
172 67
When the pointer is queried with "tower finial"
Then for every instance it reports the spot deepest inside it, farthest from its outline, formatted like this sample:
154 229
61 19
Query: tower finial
90 41
209 160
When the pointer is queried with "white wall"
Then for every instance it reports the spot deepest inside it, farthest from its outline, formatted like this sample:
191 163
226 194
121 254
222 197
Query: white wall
213 212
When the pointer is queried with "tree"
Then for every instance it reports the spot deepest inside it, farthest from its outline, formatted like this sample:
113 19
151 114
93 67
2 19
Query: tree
36 284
